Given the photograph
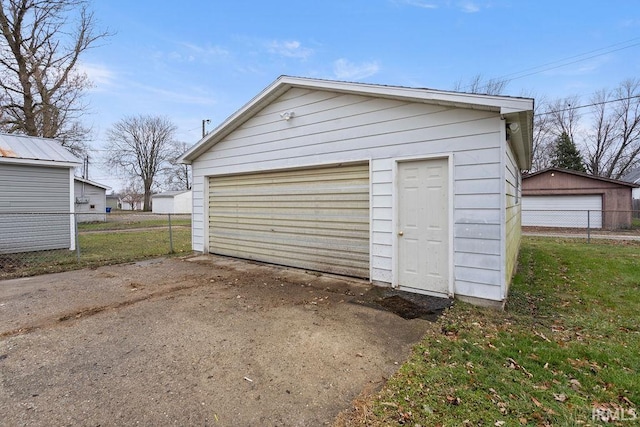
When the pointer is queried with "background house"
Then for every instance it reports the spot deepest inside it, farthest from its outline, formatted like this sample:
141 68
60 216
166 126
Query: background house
411 188
557 197
90 200
113 201
634 178
130 202
36 194
172 202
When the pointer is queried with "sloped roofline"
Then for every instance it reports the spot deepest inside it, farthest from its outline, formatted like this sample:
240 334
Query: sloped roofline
95 184
513 109
168 194
24 149
581 174
632 176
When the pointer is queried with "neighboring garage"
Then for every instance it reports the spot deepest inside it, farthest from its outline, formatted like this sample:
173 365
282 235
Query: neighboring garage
557 197
412 188
172 202
91 200
562 211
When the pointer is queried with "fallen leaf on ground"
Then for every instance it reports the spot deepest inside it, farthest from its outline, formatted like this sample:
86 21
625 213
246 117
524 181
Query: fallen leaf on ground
560 397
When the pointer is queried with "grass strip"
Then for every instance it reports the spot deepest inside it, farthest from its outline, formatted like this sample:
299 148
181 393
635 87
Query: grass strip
564 351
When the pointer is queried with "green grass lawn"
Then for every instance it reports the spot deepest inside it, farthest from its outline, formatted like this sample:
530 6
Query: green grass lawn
98 249
566 351
135 222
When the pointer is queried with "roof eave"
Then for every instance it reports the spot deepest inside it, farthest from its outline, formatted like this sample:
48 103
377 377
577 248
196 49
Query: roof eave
49 163
500 104
521 140
584 175
95 184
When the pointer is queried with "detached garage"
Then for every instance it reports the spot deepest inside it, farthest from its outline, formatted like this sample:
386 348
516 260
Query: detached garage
171 202
412 188
556 197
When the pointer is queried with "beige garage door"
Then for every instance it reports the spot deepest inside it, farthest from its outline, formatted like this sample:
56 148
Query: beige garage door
316 219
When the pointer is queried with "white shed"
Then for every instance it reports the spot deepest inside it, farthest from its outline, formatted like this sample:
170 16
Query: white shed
417 189
172 202
90 200
36 194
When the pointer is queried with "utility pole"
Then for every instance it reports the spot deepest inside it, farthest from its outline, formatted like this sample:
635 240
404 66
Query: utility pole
85 172
204 131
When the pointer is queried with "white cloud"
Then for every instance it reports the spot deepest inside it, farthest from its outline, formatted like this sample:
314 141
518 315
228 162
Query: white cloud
343 69
99 74
189 52
469 7
289 49
466 6
418 3
206 50
573 69
185 97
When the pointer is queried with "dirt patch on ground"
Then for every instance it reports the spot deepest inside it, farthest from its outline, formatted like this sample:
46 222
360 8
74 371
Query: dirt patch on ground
198 341
405 304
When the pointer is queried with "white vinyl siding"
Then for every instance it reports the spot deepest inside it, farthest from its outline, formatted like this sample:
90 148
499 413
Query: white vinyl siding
90 202
330 128
477 220
178 203
580 211
34 208
513 200
316 219
382 220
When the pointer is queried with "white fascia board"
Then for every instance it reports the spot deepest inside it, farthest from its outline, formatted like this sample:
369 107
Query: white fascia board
95 184
468 100
48 163
501 104
236 119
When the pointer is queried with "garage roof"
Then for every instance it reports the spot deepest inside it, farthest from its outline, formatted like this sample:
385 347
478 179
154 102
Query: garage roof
514 110
582 174
34 150
95 184
170 194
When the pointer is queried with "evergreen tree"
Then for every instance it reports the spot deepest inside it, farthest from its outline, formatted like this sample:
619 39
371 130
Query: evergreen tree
566 154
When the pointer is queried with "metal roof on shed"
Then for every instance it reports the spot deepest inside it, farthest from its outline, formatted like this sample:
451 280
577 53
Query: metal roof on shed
34 148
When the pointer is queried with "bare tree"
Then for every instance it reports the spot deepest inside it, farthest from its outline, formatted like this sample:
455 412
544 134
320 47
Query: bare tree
614 141
478 84
601 137
178 175
41 87
132 194
141 146
543 136
564 116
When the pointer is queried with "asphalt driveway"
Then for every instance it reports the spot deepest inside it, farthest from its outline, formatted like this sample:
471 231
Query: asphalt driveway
196 341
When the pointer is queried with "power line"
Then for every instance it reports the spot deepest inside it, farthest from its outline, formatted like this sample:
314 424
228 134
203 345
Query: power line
570 63
572 57
562 62
577 107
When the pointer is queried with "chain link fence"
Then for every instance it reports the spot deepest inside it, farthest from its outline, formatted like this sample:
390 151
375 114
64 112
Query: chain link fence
35 243
616 224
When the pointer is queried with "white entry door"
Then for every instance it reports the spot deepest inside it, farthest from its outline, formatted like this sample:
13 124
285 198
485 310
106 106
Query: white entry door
423 226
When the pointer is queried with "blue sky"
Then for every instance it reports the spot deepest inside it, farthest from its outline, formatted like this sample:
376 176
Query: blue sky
193 60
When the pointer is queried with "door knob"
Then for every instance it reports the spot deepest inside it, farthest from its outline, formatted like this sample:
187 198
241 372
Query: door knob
400 233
